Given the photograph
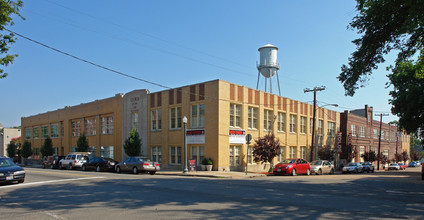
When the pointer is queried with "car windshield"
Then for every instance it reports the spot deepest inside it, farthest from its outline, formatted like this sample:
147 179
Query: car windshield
143 159
288 161
352 164
316 162
393 164
5 162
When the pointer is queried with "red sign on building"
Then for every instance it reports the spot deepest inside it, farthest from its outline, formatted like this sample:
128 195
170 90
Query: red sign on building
339 142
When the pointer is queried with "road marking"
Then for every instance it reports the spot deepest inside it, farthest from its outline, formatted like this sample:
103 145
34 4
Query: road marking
70 174
393 191
50 181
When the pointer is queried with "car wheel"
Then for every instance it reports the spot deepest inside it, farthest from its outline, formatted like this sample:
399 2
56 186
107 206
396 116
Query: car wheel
319 172
44 166
332 171
308 172
98 169
51 166
294 172
135 170
70 167
60 166
152 173
84 168
21 181
118 169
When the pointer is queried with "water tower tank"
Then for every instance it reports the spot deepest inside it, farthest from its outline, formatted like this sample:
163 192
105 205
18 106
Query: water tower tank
268 64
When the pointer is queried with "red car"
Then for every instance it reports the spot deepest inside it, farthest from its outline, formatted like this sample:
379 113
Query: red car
402 166
292 167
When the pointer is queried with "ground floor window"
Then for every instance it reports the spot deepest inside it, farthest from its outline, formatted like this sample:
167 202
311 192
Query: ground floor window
361 152
250 155
106 151
303 152
198 154
282 154
93 151
73 149
175 155
234 156
156 152
292 153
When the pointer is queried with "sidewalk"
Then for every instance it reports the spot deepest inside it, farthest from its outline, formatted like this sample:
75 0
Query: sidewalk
213 174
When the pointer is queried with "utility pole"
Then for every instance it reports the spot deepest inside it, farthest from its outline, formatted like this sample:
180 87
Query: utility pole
379 139
315 89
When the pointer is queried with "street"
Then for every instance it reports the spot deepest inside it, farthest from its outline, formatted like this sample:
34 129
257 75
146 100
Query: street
64 194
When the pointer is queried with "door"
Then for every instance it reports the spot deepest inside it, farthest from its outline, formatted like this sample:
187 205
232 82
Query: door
235 159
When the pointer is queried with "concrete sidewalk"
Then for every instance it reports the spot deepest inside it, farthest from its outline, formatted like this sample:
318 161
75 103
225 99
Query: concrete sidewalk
213 174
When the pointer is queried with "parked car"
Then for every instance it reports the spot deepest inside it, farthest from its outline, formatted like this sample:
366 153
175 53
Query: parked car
422 173
10 172
100 164
52 162
418 163
402 166
73 160
292 167
394 166
353 168
368 167
412 164
321 166
137 165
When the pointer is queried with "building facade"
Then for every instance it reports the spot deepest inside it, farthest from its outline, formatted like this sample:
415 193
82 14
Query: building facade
6 135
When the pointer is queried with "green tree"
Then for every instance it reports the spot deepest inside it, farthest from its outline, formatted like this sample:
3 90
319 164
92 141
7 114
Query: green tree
82 144
405 156
7 9
11 150
369 156
415 155
325 153
47 148
266 148
132 144
26 150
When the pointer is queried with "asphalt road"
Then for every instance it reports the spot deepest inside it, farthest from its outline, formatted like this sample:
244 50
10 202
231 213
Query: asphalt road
63 194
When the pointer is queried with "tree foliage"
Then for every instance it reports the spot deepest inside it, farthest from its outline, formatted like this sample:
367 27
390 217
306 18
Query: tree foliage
383 25
398 158
266 148
11 150
369 156
351 153
82 144
132 144
47 148
382 158
7 9
26 149
325 153
405 156
415 155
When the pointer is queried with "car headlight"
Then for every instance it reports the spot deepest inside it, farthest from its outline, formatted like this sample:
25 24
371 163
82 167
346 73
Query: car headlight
1 174
19 172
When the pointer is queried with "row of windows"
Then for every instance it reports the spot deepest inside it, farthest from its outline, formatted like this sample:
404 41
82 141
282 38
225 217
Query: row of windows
384 135
197 118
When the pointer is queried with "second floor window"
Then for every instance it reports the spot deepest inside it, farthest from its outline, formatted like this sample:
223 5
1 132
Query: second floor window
76 128
253 118
90 127
198 116
353 130
293 123
27 133
281 121
175 118
320 127
44 132
54 131
107 125
268 120
235 115
331 129
156 120
362 131
35 133
303 125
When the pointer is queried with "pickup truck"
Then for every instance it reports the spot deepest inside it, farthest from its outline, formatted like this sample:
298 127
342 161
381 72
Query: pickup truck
368 167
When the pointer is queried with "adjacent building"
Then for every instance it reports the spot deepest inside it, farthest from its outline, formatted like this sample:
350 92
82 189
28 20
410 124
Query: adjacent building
6 135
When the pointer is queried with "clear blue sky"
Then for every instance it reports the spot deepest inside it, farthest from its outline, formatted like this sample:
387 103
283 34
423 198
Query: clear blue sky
177 43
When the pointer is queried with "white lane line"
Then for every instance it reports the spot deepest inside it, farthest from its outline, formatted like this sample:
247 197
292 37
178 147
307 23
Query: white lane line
49 181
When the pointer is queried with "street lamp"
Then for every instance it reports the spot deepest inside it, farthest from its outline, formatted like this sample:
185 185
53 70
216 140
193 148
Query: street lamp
185 145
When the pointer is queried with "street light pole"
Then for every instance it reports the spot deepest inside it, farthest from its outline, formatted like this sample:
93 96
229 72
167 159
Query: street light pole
185 145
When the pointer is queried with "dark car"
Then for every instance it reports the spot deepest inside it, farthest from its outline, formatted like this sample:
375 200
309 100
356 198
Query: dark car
100 164
368 167
52 162
10 172
137 165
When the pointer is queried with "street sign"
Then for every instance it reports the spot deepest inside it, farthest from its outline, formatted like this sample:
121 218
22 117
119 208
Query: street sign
248 138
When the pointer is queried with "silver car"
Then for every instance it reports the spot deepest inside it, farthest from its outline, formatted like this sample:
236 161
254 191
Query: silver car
320 167
137 165
353 168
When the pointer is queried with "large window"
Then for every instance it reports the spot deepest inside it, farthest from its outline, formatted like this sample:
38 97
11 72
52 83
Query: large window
303 125
268 120
235 156
293 123
134 119
27 133
62 129
331 129
235 115
157 154
106 151
250 155
282 154
320 127
76 128
281 121
375 134
90 127
44 132
361 152
303 152
292 153
93 151
198 154
156 120
54 130
175 155
175 118
107 125
353 130
252 118
362 131
198 116
35 133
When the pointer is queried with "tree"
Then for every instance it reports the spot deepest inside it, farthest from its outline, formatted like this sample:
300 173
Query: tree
26 150
325 153
398 158
82 144
266 148
382 158
132 144
405 156
7 9
351 153
369 156
11 150
415 155
47 148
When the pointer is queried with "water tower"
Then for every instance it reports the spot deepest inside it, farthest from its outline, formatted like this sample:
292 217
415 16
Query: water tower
268 66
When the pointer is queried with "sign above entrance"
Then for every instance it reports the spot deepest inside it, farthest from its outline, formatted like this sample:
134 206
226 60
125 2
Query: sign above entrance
237 136
195 136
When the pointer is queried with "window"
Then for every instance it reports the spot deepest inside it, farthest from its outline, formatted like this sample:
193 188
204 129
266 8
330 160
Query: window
62 129
282 154
292 153
252 118
250 155
76 128
234 156
303 152
107 125
134 120
281 121
369 132
235 115
90 127
44 132
157 154
320 127
303 125
35 133
311 125
198 154
386 153
293 122
331 129
106 151
156 120
361 131
198 116
175 118
268 120
175 156
93 151
375 134
54 131
361 152
382 135
353 130
27 133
